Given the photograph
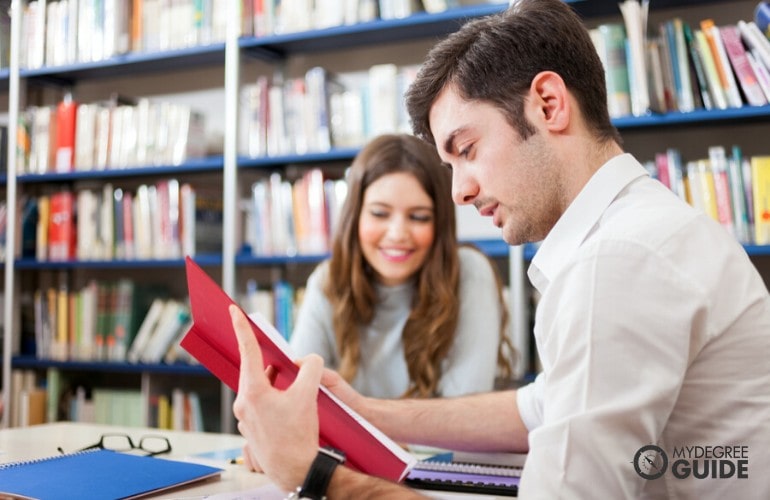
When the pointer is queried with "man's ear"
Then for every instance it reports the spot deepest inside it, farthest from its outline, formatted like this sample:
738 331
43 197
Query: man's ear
549 96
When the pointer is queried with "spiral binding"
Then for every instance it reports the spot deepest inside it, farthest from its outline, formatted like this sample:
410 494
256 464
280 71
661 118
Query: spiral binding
466 468
11 465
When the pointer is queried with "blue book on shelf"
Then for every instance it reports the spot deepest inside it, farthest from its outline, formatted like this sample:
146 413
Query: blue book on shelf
97 474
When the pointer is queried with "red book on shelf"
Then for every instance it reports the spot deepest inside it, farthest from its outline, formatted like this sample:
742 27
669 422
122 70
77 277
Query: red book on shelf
211 340
66 113
61 227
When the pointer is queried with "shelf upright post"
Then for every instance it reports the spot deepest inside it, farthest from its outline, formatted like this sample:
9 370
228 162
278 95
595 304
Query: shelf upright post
230 176
519 309
10 328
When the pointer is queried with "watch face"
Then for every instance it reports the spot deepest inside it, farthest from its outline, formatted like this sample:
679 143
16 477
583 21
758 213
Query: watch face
650 461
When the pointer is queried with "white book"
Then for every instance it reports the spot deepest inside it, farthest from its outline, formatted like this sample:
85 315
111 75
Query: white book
87 224
71 37
383 101
144 333
635 19
758 44
731 86
763 76
175 315
85 136
177 409
106 240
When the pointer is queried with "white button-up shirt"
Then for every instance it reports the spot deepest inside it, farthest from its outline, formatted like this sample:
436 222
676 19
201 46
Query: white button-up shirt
653 328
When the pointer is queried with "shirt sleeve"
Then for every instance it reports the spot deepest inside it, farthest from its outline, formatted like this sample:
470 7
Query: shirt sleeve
615 345
529 400
313 331
472 362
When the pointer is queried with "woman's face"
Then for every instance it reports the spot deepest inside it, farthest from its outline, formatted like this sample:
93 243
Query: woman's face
396 227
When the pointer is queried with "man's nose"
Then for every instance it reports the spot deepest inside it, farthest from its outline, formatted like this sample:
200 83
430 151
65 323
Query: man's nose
464 188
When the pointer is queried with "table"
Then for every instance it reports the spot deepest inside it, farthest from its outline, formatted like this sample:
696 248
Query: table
41 441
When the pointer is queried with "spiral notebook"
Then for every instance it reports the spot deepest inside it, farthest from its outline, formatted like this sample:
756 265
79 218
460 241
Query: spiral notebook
97 474
490 474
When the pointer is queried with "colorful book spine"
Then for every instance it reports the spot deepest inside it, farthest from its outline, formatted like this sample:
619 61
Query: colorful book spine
739 61
760 182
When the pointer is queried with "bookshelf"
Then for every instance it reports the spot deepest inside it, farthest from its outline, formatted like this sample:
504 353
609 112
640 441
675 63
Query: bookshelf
225 59
237 60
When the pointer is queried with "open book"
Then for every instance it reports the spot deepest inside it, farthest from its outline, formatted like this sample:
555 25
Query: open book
211 340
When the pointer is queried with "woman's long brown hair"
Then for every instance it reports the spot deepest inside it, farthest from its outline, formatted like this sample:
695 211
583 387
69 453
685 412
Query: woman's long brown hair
429 331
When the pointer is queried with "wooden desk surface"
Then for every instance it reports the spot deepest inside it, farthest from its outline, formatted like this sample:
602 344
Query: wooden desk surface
41 441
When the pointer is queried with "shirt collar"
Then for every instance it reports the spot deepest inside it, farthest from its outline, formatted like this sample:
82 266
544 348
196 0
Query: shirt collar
581 216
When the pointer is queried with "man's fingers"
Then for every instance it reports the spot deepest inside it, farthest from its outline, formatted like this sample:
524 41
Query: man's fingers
248 347
309 376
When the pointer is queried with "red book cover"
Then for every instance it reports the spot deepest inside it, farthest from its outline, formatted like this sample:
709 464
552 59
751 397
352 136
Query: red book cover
64 148
61 227
211 340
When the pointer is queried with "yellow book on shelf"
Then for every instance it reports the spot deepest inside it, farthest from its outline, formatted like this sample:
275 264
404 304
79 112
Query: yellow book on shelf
702 189
760 189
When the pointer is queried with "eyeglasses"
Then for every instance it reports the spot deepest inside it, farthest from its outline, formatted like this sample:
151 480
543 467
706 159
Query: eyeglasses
148 445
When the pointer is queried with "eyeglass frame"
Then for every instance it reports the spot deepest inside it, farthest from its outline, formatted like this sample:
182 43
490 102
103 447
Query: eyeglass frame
100 444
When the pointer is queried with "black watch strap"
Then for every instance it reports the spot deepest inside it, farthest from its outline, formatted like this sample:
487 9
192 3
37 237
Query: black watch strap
317 480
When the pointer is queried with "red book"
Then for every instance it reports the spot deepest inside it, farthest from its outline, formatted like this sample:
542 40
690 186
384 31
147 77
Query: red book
61 227
64 148
211 340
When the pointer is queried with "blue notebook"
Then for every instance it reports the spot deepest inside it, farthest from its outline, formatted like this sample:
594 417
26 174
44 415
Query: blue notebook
97 474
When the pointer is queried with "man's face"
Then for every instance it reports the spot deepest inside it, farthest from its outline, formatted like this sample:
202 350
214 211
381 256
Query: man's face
513 181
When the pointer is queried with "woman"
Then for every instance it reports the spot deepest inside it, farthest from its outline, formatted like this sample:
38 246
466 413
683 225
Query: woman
400 309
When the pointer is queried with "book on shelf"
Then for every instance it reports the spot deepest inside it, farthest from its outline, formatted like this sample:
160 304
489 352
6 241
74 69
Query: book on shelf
66 114
716 90
680 56
718 160
635 20
760 182
124 407
743 69
700 82
173 319
98 472
212 341
144 333
756 41
722 63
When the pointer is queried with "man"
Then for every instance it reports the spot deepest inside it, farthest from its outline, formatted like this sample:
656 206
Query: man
653 327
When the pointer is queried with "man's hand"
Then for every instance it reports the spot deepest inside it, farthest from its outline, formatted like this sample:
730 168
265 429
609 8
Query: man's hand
280 427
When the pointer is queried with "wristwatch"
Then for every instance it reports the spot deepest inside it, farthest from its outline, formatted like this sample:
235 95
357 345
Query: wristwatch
319 475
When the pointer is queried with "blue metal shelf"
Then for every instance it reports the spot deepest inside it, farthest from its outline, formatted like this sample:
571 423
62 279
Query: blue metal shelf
32 264
31 362
695 117
131 63
757 250
196 165
335 154
416 26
